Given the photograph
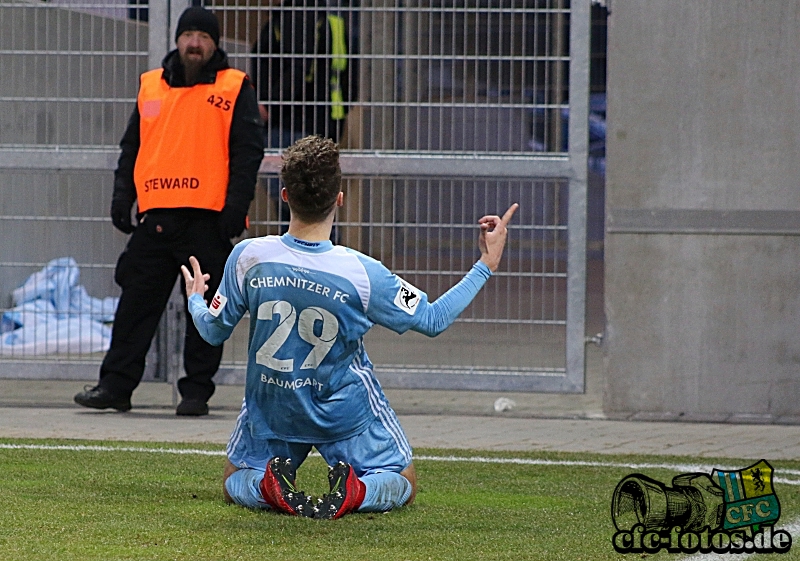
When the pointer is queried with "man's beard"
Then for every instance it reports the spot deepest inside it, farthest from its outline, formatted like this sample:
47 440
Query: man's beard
192 71
191 68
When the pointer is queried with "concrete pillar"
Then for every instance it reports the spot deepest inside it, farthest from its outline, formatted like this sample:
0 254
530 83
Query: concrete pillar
703 210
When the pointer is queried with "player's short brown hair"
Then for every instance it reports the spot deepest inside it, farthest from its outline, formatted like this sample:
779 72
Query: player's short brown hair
312 176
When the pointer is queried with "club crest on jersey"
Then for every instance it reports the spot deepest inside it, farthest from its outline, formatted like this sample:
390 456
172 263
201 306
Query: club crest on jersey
407 298
217 303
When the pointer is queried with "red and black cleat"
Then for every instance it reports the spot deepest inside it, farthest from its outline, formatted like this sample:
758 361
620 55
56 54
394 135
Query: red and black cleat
346 494
278 489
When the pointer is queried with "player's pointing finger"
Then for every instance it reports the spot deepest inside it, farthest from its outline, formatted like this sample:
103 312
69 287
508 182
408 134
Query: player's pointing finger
509 214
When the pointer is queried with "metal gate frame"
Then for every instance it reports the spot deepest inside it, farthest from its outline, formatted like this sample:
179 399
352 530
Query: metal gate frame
571 166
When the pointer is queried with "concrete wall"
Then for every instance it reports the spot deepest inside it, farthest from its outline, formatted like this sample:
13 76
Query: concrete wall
703 210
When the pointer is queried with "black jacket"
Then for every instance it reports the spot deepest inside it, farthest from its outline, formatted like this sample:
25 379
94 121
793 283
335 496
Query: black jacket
246 144
297 88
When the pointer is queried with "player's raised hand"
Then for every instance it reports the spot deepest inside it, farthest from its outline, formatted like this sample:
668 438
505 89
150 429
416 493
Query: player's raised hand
196 280
492 239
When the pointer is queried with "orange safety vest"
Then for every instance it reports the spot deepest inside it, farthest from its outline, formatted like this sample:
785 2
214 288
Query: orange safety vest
183 154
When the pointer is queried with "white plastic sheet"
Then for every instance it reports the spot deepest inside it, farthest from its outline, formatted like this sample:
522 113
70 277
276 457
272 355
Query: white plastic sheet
53 314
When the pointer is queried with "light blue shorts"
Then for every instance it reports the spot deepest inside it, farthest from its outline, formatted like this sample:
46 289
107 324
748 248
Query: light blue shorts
381 447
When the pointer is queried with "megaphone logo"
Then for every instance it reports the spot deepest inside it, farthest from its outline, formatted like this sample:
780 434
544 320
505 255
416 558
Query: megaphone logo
728 511
693 503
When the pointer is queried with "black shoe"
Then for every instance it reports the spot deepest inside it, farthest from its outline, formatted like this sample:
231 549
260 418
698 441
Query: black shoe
192 408
346 494
99 398
278 489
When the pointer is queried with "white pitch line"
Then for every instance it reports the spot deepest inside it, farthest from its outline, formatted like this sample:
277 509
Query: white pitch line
81 448
684 468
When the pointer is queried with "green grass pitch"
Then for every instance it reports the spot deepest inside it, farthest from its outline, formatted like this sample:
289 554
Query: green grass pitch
65 500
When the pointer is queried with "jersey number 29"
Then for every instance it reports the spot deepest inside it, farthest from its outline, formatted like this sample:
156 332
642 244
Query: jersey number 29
321 344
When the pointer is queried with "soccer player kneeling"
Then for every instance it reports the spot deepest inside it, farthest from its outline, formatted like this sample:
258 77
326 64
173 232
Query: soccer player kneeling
309 380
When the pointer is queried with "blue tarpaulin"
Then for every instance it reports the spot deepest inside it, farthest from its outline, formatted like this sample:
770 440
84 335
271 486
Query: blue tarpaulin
53 314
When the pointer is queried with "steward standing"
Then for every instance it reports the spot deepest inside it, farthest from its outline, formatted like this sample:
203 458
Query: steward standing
190 158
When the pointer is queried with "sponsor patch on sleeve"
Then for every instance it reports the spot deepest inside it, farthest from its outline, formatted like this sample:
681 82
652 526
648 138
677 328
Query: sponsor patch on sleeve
407 298
217 303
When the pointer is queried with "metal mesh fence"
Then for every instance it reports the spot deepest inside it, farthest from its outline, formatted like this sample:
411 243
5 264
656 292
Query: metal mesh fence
486 81
469 75
426 231
71 73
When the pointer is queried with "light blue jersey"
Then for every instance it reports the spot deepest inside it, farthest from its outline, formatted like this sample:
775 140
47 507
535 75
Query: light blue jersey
309 378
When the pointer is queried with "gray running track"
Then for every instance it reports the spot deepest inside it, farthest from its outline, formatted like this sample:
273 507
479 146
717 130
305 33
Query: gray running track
437 419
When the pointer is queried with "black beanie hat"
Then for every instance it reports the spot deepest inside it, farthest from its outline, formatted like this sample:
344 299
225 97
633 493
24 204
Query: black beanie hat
198 18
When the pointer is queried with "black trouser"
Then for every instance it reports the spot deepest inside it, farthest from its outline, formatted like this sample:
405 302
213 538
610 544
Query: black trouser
146 271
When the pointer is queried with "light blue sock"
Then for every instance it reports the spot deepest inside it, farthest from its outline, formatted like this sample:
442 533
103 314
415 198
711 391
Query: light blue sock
385 490
243 487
